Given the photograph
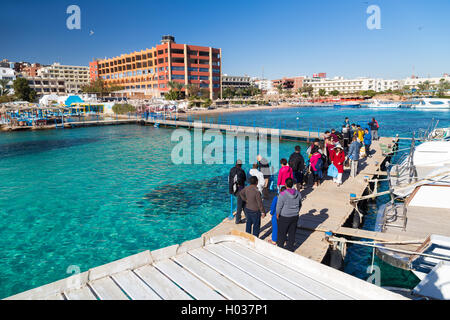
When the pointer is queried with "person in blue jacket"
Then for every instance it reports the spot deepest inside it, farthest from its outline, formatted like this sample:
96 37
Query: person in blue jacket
353 155
273 212
367 142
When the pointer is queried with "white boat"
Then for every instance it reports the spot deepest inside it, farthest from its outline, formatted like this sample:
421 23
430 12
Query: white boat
424 218
427 163
433 103
381 104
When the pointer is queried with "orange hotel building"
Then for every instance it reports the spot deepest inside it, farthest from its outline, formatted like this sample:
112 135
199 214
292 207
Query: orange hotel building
145 73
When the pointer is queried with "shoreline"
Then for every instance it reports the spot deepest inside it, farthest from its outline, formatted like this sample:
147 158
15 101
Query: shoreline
247 108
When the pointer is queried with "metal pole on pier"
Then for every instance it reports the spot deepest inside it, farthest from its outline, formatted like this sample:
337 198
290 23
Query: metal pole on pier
230 217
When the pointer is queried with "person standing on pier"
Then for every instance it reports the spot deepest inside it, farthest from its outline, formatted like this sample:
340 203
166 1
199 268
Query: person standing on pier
288 208
236 183
353 155
360 133
284 173
264 168
258 174
346 122
297 164
254 209
367 142
346 136
374 126
338 158
316 163
273 212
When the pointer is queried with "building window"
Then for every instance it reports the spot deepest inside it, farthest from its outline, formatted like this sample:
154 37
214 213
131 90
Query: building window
178 76
203 70
193 78
177 68
204 78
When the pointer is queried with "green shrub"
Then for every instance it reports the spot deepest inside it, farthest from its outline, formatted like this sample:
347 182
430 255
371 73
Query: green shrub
123 108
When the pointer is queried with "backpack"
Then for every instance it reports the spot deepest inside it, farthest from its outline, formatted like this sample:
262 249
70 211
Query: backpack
376 123
235 184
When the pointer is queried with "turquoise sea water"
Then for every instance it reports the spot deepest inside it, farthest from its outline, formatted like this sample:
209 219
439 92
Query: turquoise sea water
314 119
88 196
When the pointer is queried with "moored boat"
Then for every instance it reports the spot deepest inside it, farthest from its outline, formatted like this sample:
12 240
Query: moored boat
381 104
433 103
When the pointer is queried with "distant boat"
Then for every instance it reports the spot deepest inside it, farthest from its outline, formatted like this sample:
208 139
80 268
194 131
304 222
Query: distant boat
381 104
347 104
433 103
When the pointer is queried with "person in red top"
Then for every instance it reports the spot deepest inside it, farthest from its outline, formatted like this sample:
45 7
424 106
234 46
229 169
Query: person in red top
338 159
284 173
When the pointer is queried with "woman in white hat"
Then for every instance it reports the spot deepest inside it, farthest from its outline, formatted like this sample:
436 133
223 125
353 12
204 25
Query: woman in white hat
337 158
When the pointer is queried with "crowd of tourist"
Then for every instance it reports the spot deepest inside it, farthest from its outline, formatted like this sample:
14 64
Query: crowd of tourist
338 149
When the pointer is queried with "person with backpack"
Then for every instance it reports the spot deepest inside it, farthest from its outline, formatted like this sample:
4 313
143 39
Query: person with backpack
316 163
288 208
284 173
254 209
374 126
297 163
236 183
273 212
353 155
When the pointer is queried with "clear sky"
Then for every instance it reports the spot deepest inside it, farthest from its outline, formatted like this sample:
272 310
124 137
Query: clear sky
285 38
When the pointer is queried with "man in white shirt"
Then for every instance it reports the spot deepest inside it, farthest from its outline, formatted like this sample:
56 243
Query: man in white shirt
258 174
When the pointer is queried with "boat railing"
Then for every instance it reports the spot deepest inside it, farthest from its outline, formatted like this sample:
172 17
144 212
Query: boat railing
394 211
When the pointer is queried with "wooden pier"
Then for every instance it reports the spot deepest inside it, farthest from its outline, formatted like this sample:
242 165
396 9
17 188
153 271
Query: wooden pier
327 208
74 124
284 134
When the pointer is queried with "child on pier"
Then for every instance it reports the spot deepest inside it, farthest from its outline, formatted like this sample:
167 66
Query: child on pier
273 212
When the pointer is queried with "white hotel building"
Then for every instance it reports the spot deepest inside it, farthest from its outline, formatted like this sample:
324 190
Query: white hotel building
353 85
413 82
75 77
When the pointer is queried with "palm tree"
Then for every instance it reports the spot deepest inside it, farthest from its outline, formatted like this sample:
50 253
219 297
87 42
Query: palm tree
443 87
280 89
192 90
308 89
4 87
322 92
175 87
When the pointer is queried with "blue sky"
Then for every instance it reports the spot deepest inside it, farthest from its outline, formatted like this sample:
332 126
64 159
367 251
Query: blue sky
286 38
